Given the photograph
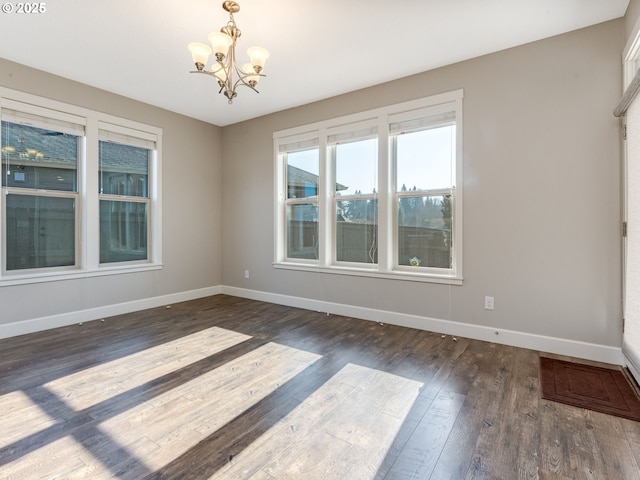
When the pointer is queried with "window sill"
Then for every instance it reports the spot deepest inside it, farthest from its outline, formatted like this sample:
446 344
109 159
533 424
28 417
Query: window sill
41 277
370 272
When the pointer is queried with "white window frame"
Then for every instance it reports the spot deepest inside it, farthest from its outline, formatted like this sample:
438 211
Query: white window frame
136 138
299 143
360 130
87 196
387 266
38 117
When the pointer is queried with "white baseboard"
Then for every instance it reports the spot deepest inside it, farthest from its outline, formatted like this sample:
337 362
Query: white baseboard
560 346
64 319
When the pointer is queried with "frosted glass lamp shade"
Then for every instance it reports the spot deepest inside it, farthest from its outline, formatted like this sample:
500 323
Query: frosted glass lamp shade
258 56
251 73
220 43
200 52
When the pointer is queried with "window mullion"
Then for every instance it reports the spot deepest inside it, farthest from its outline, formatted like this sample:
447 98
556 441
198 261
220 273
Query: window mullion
301 200
325 215
385 198
39 193
124 198
435 192
457 196
88 189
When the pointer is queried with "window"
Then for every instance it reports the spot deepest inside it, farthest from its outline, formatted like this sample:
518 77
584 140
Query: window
424 152
302 176
124 197
376 193
80 190
354 158
40 158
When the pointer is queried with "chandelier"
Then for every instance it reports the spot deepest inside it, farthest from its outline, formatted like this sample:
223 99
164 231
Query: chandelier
225 68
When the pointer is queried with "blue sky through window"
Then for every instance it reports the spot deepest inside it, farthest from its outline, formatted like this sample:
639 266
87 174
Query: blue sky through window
426 160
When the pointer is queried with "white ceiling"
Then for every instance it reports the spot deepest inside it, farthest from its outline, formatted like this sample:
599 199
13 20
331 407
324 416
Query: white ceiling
319 48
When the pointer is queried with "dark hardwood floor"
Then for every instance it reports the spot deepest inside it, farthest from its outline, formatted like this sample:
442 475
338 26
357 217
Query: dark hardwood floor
229 388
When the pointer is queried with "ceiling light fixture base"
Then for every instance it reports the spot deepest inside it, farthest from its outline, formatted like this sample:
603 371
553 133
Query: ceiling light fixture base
231 7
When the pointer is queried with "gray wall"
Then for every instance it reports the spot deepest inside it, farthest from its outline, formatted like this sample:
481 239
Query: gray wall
191 213
541 193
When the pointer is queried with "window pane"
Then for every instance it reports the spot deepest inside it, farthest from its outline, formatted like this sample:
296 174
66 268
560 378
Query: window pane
424 231
37 158
357 167
124 170
123 231
425 159
302 173
302 231
357 231
40 232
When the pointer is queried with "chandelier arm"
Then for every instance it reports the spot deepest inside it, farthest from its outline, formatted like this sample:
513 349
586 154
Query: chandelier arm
242 74
242 80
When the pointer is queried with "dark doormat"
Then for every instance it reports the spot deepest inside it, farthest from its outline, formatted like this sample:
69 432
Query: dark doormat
595 388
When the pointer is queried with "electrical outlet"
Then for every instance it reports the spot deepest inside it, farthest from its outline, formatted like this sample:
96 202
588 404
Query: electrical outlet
246 274
488 303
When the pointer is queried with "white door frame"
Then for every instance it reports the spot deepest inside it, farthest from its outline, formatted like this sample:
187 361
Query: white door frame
630 65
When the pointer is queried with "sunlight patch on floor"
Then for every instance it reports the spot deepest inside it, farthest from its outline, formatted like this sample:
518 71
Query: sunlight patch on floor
178 419
91 386
58 459
343 430
20 417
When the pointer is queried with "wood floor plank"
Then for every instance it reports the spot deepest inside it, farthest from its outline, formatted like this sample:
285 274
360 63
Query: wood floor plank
229 388
518 443
480 414
420 455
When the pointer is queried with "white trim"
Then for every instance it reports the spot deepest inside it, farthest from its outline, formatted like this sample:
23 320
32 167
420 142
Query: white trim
368 270
74 273
630 56
155 195
560 346
65 319
312 129
128 135
19 112
631 76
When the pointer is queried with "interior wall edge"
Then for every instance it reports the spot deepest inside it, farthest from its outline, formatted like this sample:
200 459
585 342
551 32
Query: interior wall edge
554 345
